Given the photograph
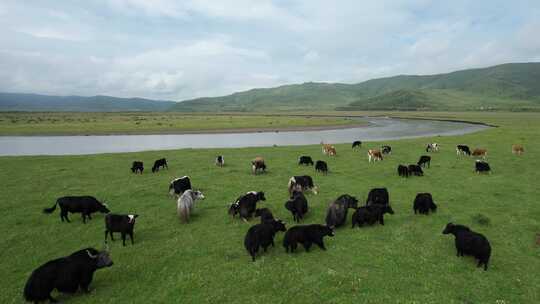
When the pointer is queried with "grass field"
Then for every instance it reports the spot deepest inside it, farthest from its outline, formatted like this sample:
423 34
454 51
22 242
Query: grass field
406 261
29 123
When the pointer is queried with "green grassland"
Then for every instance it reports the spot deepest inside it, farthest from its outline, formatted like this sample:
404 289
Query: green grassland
29 123
406 261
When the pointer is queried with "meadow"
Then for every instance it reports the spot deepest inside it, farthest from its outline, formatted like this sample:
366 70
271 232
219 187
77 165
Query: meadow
79 123
407 260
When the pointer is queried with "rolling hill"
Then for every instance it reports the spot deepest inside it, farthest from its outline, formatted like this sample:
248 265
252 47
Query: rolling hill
47 103
512 86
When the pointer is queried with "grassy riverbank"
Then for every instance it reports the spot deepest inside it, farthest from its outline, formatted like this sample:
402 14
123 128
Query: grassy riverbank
29 123
406 261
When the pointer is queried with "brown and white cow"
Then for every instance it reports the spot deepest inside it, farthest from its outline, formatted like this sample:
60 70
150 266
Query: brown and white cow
480 152
374 155
517 149
257 164
328 149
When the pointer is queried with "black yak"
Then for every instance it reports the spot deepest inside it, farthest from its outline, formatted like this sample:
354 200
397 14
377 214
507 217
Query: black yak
86 205
336 215
469 242
306 235
66 274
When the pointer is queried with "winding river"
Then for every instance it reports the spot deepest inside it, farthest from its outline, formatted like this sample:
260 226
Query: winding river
376 130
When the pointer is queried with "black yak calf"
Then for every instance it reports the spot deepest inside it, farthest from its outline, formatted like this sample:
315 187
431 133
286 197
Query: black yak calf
463 150
370 215
482 167
160 163
86 205
246 204
379 196
123 223
179 185
415 170
306 235
423 203
471 243
386 149
336 215
66 274
301 183
220 161
265 214
305 160
297 205
262 235
137 166
356 143
321 166
403 171
424 160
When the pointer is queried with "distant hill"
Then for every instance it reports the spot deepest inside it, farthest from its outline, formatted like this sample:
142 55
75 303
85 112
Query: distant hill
34 102
513 86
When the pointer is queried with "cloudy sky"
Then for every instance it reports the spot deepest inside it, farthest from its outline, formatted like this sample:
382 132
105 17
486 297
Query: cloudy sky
165 49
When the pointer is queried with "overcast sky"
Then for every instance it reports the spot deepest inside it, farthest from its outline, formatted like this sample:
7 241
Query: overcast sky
165 49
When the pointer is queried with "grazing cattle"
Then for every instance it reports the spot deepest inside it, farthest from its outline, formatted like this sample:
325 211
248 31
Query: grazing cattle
416 170
480 153
356 143
336 215
297 205
424 160
220 161
374 155
306 235
370 215
433 147
246 204
301 183
517 149
463 150
471 243
386 149
86 205
123 223
482 167
305 160
262 235
179 185
321 166
185 204
137 166
160 163
378 196
265 214
258 165
403 171
67 274
423 203
328 149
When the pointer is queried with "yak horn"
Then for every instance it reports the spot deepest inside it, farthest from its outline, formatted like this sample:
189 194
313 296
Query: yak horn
92 256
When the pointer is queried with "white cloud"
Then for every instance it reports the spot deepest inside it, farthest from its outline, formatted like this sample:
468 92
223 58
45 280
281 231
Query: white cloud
49 33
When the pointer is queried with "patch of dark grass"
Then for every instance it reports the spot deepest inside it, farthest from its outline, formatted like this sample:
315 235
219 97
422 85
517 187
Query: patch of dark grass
481 219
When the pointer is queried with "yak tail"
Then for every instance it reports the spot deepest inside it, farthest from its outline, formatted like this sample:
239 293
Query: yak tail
183 214
50 210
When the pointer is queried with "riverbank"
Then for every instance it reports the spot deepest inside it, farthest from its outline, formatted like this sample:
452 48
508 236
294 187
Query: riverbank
68 124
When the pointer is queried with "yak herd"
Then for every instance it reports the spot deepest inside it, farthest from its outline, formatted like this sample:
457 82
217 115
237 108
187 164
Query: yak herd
74 272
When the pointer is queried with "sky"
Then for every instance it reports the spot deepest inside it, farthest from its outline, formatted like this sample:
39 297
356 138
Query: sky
177 50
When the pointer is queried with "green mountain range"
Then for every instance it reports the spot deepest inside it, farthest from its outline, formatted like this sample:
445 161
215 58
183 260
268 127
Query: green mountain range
48 103
513 86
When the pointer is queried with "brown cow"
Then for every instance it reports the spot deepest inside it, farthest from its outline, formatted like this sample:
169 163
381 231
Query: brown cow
480 153
374 155
258 164
517 149
328 149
